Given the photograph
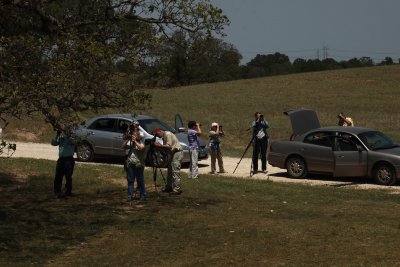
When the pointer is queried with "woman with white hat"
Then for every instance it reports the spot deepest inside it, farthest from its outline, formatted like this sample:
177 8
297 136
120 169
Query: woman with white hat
215 147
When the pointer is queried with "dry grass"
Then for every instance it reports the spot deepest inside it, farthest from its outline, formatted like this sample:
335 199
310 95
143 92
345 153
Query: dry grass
215 222
369 95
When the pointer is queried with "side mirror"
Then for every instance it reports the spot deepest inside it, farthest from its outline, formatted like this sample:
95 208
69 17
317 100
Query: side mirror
181 129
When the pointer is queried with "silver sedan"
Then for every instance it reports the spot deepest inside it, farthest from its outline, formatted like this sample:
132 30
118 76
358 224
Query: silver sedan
102 136
337 151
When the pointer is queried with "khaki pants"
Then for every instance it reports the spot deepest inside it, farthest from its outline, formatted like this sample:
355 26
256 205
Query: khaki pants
174 172
216 155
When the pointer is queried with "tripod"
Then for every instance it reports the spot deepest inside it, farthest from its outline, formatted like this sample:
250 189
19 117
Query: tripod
251 168
157 159
155 177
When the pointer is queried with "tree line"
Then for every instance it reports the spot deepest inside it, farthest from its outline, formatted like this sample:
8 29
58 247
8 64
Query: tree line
193 59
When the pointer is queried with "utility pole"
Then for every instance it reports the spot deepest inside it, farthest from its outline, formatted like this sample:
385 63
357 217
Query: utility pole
325 52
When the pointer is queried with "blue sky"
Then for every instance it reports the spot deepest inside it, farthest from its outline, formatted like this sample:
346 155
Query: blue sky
302 28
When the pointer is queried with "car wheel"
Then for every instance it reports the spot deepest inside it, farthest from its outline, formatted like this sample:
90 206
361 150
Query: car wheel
296 167
384 174
84 152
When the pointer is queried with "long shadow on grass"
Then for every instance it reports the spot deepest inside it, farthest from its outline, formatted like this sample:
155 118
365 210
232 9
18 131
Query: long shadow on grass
5 179
36 227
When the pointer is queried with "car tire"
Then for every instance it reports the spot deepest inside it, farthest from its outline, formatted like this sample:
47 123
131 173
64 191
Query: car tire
84 152
384 174
296 167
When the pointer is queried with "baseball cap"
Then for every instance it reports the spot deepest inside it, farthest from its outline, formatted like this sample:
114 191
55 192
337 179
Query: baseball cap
156 130
214 124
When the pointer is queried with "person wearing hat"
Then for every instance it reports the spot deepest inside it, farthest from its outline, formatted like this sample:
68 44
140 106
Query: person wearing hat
344 120
172 144
127 130
215 147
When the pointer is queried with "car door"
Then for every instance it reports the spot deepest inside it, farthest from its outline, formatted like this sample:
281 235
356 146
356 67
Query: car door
179 123
100 135
351 159
317 151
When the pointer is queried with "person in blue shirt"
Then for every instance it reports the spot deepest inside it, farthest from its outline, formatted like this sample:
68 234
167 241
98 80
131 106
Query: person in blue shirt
260 142
65 163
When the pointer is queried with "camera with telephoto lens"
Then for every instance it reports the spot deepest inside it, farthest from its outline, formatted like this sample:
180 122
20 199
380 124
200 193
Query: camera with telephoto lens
129 135
221 132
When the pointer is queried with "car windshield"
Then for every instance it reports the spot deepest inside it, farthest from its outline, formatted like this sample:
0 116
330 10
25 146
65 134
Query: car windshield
375 140
149 124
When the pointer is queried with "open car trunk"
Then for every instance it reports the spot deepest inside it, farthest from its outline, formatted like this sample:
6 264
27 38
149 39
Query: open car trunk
303 120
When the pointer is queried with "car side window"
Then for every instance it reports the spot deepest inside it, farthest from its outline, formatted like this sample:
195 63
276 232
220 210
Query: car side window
122 126
103 125
346 142
345 145
319 139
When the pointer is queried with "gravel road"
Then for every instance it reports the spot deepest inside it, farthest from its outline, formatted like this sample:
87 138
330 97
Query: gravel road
46 151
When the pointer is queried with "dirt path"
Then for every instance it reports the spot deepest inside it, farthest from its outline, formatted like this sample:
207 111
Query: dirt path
46 151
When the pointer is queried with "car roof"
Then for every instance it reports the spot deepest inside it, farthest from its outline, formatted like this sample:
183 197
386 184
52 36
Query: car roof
130 117
305 121
351 130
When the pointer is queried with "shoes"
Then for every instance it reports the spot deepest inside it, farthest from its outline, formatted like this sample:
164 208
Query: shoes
223 171
60 195
167 190
129 199
212 173
265 171
68 194
142 198
175 193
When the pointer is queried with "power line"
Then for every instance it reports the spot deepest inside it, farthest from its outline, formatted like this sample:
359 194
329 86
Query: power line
327 53
366 52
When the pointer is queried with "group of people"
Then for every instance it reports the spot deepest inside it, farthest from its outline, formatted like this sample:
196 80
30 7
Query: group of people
135 159
215 135
135 163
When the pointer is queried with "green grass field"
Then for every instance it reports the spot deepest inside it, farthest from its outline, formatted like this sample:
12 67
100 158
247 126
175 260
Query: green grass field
369 95
216 222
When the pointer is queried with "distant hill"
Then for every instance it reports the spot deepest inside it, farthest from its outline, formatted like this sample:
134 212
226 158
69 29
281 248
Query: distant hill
369 95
